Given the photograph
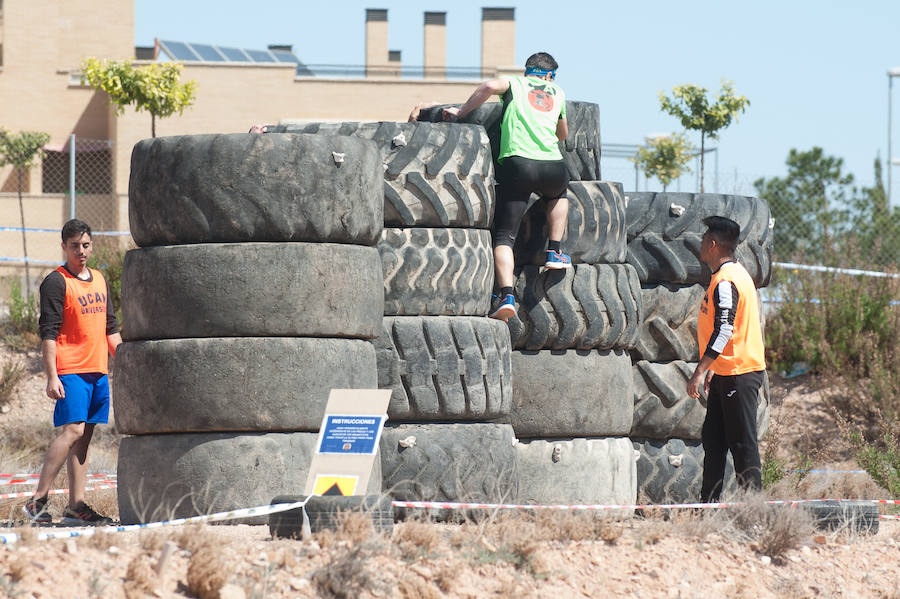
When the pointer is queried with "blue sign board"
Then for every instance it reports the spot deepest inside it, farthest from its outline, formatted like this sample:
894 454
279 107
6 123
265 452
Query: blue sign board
348 434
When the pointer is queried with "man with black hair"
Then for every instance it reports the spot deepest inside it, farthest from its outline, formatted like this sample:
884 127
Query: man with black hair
732 362
534 121
78 332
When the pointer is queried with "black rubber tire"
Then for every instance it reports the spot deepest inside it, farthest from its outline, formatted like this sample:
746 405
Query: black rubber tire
443 368
327 513
449 463
663 409
239 187
435 272
669 329
671 471
678 261
252 290
585 307
577 471
665 247
230 384
180 475
595 233
572 393
436 174
853 515
580 150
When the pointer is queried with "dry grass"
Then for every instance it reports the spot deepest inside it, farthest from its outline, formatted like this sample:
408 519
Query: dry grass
414 587
771 529
207 571
345 575
140 579
415 538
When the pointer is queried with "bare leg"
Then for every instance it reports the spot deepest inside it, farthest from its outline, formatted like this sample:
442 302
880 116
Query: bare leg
504 263
557 218
76 466
57 454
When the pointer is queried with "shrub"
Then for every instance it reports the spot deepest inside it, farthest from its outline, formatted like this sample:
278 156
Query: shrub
879 456
23 311
845 327
109 261
9 378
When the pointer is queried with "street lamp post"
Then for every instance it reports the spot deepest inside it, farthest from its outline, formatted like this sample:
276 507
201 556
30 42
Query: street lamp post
895 72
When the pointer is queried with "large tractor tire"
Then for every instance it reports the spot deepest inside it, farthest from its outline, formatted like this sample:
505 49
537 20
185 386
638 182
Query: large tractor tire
436 272
445 368
240 187
234 383
252 290
585 307
435 174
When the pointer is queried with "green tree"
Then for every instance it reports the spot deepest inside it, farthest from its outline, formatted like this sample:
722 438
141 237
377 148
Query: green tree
21 151
875 225
156 88
665 157
810 203
690 104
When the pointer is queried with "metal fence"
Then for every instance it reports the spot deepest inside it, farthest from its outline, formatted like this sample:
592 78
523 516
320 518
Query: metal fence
832 226
75 180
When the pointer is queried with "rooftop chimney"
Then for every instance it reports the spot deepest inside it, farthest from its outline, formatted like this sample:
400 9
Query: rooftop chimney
435 59
376 41
498 39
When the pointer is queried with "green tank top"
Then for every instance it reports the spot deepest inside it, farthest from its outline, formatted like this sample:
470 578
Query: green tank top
532 109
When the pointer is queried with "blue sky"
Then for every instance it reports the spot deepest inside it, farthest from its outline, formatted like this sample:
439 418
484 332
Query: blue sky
815 72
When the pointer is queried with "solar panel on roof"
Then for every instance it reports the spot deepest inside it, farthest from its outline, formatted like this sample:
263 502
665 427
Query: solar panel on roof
207 52
234 54
260 55
285 56
178 50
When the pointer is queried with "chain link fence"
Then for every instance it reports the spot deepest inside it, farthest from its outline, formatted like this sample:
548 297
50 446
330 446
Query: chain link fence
74 179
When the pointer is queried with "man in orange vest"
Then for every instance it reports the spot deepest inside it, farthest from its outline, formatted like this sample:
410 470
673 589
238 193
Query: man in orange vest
732 364
78 332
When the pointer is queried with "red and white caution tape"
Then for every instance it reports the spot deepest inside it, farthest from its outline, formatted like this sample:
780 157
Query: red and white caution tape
437 505
104 484
23 479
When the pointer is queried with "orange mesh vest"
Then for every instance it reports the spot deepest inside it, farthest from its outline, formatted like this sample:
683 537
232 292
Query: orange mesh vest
81 344
744 351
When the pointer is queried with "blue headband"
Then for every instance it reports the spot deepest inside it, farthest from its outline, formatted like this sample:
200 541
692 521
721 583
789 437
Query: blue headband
539 72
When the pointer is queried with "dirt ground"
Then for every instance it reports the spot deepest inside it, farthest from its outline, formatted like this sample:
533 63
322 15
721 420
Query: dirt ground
566 555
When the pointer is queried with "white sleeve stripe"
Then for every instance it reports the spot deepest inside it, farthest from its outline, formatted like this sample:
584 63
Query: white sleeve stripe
726 307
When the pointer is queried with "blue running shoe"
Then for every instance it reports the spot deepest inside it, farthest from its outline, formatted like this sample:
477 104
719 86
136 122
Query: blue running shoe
557 260
503 309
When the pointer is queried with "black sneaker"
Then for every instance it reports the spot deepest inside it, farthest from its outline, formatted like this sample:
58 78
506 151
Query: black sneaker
36 510
83 515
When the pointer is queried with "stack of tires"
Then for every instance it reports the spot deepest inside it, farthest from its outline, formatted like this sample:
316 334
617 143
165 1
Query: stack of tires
664 232
572 391
448 366
253 293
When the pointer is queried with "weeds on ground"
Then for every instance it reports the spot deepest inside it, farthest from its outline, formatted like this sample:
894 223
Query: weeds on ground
9 379
207 571
416 539
846 329
771 529
21 329
347 573
776 468
880 456
140 579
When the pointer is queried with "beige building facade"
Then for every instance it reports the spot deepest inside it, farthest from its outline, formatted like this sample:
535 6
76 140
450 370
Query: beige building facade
43 43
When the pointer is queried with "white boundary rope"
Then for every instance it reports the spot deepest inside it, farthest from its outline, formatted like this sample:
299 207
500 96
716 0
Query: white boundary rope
261 510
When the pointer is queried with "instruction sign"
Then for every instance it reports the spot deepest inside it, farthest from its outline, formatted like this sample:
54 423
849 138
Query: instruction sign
347 433
348 442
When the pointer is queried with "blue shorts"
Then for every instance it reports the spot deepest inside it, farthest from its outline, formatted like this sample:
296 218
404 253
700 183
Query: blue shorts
86 400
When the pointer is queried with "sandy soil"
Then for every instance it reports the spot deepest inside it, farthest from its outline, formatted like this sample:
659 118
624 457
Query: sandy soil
687 555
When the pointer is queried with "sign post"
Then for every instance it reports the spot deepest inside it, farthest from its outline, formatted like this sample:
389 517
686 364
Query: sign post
348 442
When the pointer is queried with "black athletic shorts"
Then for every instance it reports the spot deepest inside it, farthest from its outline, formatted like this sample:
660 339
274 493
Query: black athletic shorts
517 179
